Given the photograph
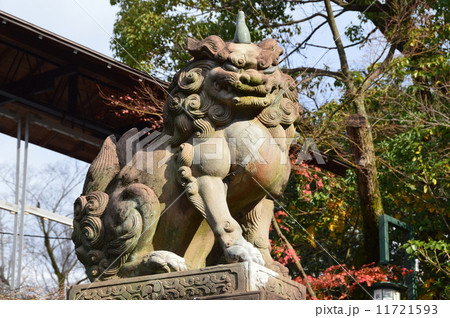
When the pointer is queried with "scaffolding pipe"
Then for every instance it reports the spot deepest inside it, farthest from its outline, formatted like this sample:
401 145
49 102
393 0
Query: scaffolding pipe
16 223
22 205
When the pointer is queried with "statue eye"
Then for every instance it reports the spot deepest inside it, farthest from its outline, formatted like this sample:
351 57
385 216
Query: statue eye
269 70
230 67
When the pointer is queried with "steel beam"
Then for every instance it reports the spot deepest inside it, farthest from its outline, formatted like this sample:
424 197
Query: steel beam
12 208
55 217
49 215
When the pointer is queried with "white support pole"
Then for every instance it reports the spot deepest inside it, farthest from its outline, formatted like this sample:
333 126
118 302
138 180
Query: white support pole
22 205
16 223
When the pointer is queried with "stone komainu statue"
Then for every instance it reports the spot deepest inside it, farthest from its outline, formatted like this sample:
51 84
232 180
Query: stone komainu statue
200 193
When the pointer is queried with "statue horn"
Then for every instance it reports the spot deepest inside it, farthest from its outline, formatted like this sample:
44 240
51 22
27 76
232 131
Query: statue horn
242 34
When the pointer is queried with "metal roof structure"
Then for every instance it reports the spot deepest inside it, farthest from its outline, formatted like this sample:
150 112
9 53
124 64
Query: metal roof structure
58 83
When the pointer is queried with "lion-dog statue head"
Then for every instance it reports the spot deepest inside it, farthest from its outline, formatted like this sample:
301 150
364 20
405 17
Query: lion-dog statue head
227 81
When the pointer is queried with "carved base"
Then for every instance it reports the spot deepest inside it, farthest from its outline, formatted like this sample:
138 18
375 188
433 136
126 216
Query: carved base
233 281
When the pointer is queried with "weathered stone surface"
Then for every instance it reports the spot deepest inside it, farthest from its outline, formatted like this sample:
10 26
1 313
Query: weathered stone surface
234 281
253 295
162 202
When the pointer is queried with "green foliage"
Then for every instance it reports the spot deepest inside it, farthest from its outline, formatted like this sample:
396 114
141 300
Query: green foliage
434 257
409 113
354 33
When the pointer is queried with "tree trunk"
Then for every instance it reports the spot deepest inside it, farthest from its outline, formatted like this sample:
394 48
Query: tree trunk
60 275
361 143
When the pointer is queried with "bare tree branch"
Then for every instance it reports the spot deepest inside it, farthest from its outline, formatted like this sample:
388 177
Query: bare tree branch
316 72
308 38
296 259
377 71
337 39
315 15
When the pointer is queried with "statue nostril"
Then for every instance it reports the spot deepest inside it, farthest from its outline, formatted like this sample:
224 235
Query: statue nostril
230 67
245 78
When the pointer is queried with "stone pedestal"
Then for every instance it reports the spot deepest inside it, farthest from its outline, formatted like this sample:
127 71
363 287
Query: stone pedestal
232 281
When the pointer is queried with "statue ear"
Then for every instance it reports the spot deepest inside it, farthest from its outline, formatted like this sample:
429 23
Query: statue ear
271 45
270 53
205 48
192 44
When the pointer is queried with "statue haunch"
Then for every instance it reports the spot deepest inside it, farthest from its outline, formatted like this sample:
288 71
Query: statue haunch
200 193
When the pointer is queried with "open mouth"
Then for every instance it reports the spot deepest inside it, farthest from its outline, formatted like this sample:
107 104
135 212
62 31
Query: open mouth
263 90
248 89
232 85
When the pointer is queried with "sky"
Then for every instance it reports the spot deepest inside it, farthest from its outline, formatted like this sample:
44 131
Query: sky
87 22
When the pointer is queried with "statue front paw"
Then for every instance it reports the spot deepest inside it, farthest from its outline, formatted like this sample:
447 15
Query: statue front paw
159 262
243 251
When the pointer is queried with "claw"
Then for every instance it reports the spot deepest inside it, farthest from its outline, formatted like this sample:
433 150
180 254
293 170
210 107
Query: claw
177 265
243 251
165 262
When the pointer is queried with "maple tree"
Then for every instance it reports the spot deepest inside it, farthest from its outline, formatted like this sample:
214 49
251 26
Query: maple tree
140 105
340 282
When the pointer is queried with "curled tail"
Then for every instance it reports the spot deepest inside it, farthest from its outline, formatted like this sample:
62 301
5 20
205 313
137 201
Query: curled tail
111 226
109 230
